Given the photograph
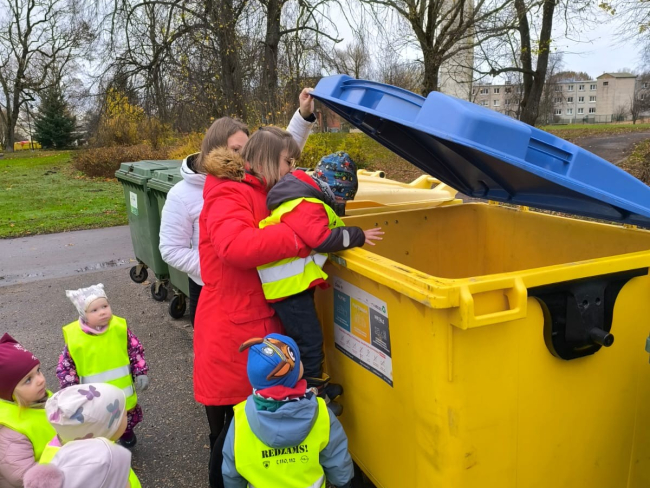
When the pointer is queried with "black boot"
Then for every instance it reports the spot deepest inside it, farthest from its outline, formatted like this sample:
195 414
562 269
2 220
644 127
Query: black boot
128 440
325 387
328 391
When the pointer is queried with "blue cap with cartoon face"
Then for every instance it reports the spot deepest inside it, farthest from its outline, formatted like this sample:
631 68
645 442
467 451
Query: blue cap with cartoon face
340 173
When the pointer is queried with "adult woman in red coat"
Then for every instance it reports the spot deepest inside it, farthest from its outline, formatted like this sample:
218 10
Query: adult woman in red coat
232 307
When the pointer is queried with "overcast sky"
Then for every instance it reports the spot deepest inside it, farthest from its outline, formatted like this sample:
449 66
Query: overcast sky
600 51
595 48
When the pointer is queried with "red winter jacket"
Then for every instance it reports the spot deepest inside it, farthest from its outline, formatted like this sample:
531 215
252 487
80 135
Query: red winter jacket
232 308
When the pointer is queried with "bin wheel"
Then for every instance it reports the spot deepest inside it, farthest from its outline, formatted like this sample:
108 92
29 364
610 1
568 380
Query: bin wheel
177 306
138 277
161 294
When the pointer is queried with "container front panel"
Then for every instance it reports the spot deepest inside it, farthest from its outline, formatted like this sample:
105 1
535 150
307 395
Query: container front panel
488 407
144 224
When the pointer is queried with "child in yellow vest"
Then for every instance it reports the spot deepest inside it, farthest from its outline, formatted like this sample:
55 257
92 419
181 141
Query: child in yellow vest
24 429
283 435
311 206
100 348
91 463
86 412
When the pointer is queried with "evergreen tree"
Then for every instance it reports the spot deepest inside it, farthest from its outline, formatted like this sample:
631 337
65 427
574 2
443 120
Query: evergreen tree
54 124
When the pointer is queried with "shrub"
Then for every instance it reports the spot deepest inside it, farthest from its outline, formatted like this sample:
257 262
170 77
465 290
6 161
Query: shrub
105 161
363 150
188 144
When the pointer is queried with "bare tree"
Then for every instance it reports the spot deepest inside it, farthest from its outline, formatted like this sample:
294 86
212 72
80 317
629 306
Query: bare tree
38 41
529 45
552 93
442 29
353 60
620 113
639 104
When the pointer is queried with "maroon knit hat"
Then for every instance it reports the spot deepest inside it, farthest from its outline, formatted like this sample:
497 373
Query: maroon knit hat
15 363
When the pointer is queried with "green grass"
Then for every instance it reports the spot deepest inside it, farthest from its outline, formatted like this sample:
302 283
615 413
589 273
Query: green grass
41 193
597 127
577 131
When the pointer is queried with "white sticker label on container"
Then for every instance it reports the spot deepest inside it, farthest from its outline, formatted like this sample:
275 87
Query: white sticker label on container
134 203
361 329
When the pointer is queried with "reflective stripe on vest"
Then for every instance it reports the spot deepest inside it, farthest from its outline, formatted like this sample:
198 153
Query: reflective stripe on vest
50 451
291 467
30 422
291 276
103 358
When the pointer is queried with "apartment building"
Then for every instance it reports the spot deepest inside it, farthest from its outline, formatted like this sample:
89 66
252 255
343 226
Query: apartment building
605 99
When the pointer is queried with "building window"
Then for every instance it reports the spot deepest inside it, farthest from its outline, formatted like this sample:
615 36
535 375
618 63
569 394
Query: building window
605 83
581 111
557 100
645 85
592 110
592 87
495 103
558 111
581 87
569 111
558 88
484 103
581 99
496 91
569 88
592 99
485 91
569 100
642 96
507 101
508 89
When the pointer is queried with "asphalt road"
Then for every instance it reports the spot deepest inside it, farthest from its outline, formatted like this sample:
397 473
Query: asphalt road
172 448
613 148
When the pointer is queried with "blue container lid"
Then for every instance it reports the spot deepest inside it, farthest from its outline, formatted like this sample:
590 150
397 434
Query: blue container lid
485 154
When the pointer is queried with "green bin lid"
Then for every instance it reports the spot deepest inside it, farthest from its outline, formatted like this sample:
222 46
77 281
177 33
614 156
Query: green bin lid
142 171
164 180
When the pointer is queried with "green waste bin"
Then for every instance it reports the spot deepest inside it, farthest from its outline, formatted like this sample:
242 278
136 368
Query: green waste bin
159 185
144 221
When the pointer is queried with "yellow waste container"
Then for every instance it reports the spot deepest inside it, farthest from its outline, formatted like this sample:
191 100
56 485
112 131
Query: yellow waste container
485 346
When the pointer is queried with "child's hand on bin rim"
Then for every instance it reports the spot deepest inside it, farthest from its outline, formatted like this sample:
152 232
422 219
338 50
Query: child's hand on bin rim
373 235
141 382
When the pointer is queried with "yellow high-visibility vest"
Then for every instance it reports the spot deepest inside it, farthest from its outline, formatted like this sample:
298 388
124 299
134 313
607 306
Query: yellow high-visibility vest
290 467
30 422
288 277
103 358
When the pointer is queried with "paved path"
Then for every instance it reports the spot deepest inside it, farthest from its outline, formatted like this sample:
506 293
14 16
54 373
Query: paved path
40 257
172 448
613 148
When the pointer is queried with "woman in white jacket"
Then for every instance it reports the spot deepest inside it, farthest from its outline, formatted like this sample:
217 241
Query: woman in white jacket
179 226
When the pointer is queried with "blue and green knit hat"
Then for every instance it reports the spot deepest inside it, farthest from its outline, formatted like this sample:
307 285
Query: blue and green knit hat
340 173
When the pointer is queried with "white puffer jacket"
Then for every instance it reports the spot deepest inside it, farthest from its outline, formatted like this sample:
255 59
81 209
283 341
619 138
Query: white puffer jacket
179 225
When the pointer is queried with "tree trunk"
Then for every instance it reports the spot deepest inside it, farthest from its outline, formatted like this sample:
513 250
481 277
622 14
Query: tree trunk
223 15
270 62
431 73
534 80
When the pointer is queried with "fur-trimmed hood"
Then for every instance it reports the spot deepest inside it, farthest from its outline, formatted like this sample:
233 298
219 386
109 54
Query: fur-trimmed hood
226 164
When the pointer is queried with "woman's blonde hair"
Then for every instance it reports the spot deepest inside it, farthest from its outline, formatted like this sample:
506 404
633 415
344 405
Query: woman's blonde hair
217 136
262 152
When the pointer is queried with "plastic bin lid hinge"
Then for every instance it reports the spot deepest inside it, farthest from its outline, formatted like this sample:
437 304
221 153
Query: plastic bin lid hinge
578 314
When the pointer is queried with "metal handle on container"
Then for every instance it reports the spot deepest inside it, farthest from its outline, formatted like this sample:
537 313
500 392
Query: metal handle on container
514 290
